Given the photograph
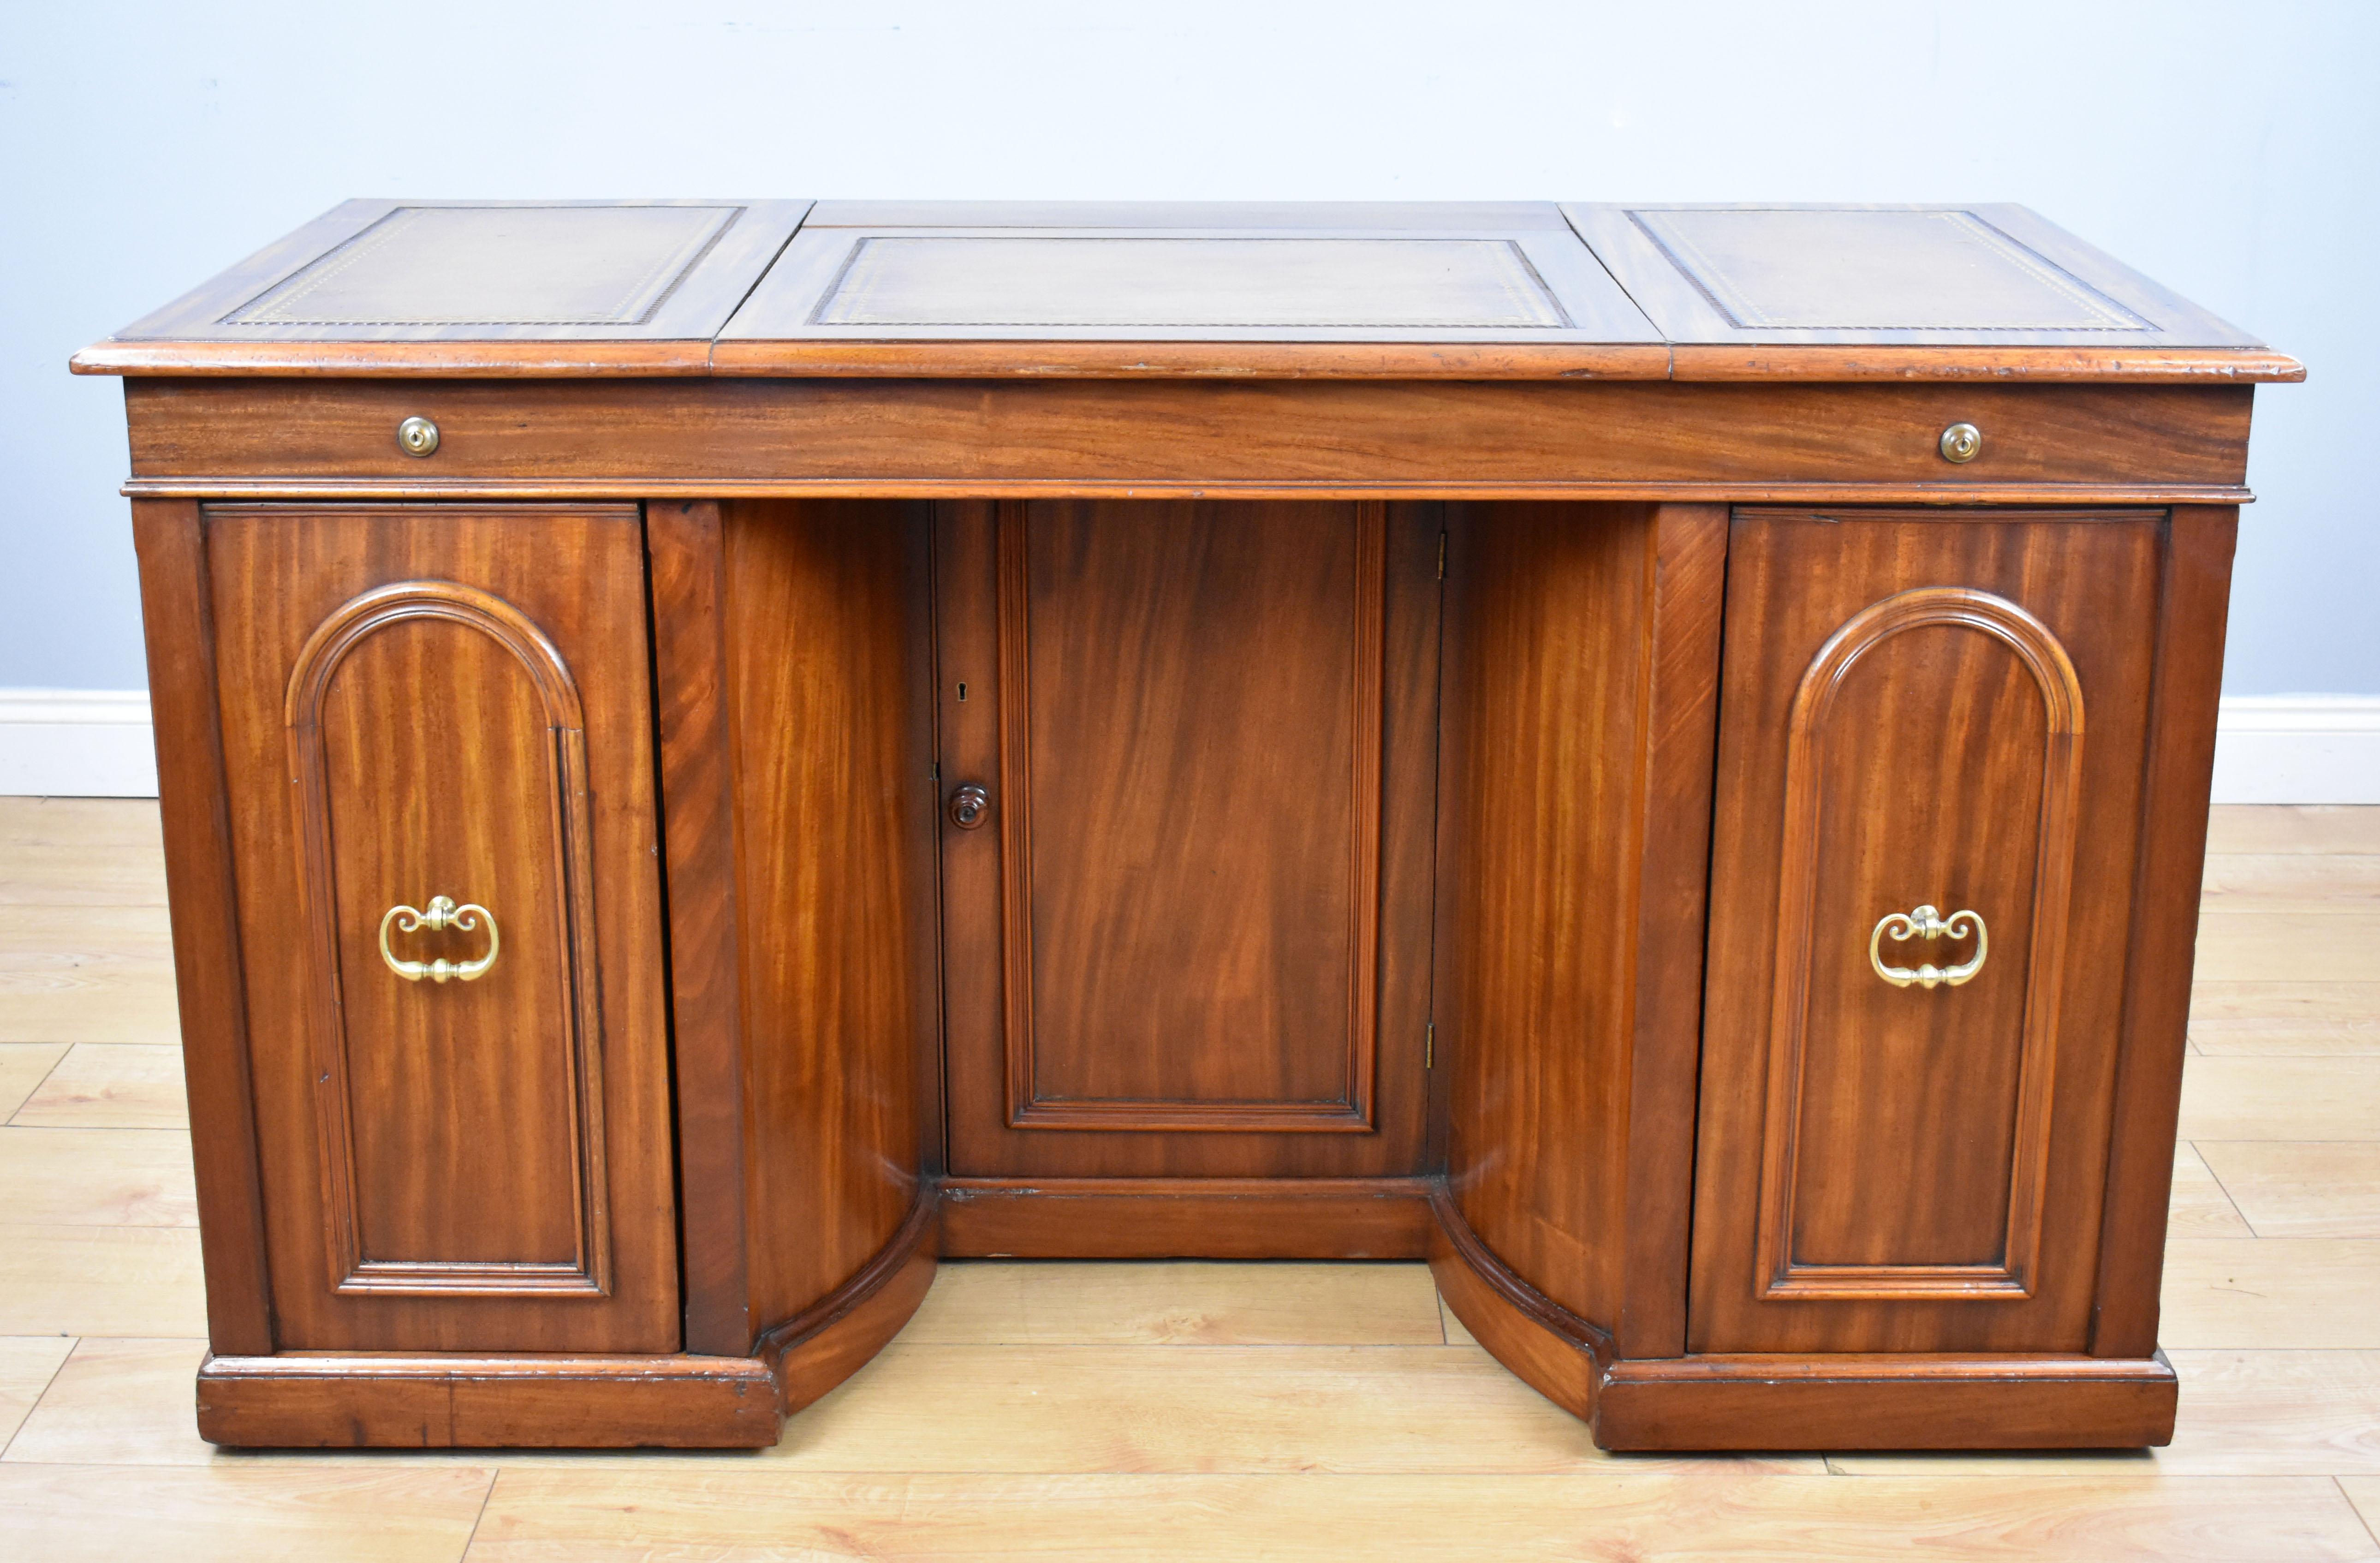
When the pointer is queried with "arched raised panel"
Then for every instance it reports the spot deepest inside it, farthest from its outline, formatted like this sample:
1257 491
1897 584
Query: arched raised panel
438 749
1934 751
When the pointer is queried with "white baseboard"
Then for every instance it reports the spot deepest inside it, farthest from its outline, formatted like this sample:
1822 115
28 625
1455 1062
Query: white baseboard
2268 749
2298 749
75 743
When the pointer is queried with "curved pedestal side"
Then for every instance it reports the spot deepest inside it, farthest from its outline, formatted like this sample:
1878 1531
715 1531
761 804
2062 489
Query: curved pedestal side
472 1401
1848 1400
1552 1349
823 1345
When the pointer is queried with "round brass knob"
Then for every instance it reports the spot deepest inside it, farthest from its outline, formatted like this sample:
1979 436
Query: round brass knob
416 436
1961 443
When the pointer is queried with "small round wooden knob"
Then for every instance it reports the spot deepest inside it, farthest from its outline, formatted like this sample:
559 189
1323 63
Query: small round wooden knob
969 804
416 436
1961 443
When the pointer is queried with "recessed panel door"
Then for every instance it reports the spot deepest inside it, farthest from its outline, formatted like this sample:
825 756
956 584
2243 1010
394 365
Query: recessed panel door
1931 746
1186 751
437 734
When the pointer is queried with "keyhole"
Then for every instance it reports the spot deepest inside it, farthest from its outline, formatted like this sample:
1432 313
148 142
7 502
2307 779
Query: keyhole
962 692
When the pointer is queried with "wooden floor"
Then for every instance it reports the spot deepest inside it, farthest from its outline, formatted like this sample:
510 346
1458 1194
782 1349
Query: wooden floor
1322 1411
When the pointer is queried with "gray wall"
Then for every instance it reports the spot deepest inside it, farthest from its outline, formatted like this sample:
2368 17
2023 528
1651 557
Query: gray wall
2231 150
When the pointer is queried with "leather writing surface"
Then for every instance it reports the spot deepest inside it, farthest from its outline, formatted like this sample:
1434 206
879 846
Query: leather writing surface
1867 270
497 266
1135 281
1443 291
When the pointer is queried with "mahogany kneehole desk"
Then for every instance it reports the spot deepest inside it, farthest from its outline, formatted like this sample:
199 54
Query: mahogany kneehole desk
713 753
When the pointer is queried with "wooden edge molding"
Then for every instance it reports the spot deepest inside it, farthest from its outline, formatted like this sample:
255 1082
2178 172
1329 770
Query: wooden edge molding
831 1339
500 359
2133 366
890 360
1548 1347
265 488
1195 361
1856 1401
1191 361
460 1402
1185 1218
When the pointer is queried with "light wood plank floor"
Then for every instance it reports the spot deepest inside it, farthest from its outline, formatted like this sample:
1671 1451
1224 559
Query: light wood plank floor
1073 1411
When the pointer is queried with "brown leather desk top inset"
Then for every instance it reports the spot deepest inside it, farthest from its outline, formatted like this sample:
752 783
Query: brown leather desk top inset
714 753
1513 291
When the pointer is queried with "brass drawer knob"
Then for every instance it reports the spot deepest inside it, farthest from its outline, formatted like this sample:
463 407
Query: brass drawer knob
1926 923
442 914
1961 443
416 436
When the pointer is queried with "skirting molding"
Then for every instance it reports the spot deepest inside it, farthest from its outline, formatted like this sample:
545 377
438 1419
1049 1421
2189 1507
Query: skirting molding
76 743
2298 749
2268 749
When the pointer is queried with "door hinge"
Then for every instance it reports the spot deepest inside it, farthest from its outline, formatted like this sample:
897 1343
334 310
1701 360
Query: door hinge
1430 1046
1441 556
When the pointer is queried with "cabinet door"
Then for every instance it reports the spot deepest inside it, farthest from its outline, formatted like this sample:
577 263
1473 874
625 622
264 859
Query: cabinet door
462 1114
1189 933
1905 1115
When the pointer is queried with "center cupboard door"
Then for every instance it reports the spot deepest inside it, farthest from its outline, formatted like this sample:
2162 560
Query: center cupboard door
1187 913
1931 750
437 735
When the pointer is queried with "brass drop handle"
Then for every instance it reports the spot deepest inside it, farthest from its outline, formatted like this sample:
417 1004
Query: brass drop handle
969 806
442 914
1926 923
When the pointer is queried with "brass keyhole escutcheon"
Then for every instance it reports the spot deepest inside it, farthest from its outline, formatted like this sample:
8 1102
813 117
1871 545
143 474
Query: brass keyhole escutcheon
970 805
1961 443
416 436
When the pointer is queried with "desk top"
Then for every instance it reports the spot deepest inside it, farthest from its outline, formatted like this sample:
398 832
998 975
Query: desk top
1466 291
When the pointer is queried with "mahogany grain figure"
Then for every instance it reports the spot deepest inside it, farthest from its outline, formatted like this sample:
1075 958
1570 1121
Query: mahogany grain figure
1280 439
1169 932
2195 580
421 701
1656 756
1581 707
1919 708
808 1137
687 588
195 803
826 687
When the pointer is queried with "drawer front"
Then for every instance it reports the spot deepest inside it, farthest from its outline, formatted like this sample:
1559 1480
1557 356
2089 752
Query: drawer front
1932 736
437 731
974 437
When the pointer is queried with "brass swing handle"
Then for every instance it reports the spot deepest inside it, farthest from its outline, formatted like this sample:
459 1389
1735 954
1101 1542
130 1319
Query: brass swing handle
1926 923
442 914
